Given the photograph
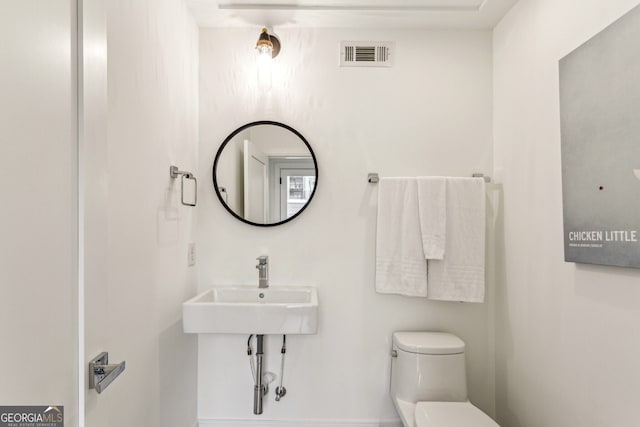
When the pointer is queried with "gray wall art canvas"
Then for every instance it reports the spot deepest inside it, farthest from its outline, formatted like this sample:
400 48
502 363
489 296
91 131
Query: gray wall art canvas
600 124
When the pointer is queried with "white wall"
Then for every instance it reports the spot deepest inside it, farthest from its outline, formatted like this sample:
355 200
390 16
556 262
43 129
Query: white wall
431 114
38 211
138 232
276 141
567 335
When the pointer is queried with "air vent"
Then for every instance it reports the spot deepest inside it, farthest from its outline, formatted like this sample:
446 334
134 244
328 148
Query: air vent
366 54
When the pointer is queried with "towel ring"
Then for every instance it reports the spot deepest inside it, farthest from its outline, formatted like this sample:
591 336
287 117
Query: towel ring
174 172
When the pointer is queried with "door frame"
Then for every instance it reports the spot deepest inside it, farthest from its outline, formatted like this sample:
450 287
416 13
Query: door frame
276 164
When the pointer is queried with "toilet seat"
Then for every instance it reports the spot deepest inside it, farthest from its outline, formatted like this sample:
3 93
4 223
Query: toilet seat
450 414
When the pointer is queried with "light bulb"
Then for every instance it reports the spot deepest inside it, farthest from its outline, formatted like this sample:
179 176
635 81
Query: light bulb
264 60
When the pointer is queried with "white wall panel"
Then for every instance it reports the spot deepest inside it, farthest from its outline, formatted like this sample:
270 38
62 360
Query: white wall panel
429 115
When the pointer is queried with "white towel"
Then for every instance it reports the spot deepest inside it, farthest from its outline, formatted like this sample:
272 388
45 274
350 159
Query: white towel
400 264
460 275
433 215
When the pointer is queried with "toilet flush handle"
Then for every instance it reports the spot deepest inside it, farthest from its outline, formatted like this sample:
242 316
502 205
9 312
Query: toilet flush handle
394 353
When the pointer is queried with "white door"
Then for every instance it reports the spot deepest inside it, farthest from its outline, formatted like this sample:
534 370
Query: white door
296 186
38 218
256 165
134 231
95 335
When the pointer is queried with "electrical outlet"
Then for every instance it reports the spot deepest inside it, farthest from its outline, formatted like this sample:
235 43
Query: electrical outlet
191 255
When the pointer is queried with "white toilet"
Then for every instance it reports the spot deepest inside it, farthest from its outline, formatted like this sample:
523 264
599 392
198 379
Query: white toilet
429 384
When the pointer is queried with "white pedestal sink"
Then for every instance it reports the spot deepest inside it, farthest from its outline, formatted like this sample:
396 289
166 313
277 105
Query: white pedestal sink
252 310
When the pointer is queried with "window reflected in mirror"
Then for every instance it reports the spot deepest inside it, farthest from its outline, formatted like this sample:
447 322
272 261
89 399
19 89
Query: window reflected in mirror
298 190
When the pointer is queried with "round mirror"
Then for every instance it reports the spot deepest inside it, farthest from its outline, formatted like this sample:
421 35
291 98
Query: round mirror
265 173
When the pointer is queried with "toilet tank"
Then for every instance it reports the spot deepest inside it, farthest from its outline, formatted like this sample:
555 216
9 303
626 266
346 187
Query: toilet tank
429 366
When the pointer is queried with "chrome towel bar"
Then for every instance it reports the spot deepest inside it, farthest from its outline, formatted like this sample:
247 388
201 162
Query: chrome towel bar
374 178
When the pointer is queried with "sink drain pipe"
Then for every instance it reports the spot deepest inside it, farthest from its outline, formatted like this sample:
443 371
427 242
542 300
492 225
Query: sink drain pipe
259 390
261 387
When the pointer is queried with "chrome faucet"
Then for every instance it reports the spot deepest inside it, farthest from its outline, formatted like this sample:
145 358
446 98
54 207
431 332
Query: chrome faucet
263 271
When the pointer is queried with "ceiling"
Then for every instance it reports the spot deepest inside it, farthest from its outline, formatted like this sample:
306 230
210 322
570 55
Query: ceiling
472 14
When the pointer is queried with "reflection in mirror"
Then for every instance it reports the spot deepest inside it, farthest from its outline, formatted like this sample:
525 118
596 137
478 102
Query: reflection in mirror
265 173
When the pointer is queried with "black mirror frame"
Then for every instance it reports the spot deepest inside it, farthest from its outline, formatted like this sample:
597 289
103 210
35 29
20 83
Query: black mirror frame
224 144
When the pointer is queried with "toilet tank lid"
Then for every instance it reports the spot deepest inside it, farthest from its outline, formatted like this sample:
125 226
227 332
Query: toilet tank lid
428 342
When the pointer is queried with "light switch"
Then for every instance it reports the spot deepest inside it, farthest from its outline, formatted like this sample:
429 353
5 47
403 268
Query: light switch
191 254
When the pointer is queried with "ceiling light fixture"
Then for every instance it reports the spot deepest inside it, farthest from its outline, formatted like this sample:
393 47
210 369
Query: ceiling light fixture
267 48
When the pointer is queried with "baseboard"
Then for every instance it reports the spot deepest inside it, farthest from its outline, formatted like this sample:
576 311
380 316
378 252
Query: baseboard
298 423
